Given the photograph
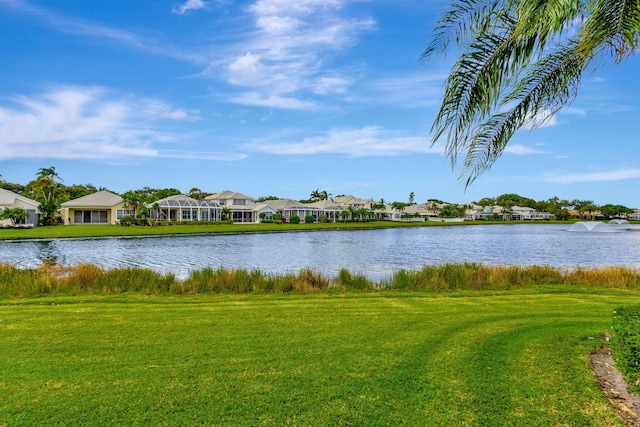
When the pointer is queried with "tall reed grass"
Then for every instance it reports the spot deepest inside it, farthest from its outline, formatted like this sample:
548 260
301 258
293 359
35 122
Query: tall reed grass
88 278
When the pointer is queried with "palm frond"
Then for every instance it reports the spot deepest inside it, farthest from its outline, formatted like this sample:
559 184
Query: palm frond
477 84
552 83
612 25
463 20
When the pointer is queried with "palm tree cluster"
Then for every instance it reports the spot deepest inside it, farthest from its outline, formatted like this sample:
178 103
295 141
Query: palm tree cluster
520 62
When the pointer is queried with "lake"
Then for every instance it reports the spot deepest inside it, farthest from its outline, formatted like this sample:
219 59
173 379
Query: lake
375 253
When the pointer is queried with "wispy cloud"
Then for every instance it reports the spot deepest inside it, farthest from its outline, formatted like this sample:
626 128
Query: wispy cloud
86 28
521 150
408 90
189 5
287 51
367 141
543 119
619 175
88 123
272 101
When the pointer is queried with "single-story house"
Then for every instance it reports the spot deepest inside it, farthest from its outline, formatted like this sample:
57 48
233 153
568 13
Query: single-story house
184 208
102 207
11 200
328 207
286 208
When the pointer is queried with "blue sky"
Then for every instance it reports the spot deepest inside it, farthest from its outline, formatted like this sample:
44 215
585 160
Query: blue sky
277 97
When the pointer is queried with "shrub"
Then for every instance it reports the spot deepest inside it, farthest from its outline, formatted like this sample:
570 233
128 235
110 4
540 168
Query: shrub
625 341
323 219
126 221
262 215
309 219
349 281
294 219
277 217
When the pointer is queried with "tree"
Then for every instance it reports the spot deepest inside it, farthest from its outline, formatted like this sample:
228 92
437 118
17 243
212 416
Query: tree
15 215
48 192
379 205
196 193
317 195
412 197
225 213
486 201
133 199
451 211
562 215
611 211
398 206
588 211
520 62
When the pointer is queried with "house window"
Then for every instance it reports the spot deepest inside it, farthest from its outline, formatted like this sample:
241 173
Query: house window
90 217
188 215
240 202
32 216
204 215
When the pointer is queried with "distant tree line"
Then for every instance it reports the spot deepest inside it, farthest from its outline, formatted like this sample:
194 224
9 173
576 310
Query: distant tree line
49 190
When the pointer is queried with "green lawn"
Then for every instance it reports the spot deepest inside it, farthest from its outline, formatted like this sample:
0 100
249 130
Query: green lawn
62 231
475 358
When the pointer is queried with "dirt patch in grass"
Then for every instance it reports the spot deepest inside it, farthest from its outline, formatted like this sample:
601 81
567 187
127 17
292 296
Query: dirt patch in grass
614 386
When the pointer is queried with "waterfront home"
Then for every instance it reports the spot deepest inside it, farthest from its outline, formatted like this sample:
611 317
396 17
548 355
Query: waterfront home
102 207
11 200
240 205
286 208
184 208
328 207
354 202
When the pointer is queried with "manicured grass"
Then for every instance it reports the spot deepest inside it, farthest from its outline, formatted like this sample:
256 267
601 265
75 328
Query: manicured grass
62 231
463 358
626 343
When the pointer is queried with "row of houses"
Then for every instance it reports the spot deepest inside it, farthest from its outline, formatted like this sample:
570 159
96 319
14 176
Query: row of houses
104 207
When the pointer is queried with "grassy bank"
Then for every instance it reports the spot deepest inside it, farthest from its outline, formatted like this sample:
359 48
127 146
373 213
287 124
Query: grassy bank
62 231
466 358
50 279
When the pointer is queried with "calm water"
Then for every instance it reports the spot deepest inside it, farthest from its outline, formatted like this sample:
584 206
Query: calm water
376 253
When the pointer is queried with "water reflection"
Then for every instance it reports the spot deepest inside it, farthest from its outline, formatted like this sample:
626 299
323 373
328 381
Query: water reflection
376 253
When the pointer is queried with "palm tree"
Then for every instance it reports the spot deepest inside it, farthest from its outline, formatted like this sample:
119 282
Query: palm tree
47 192
132 201
521 61
15 215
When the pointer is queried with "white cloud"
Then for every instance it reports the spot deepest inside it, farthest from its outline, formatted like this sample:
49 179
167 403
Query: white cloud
618 175
189 5
85 28
367 141
543 119
288 51
272 101
521 150
86 123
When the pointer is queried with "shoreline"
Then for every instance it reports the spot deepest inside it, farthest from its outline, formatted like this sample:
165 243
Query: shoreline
108 231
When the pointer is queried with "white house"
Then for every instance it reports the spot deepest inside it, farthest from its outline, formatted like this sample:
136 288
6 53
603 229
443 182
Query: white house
184 208
241 205
11 200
